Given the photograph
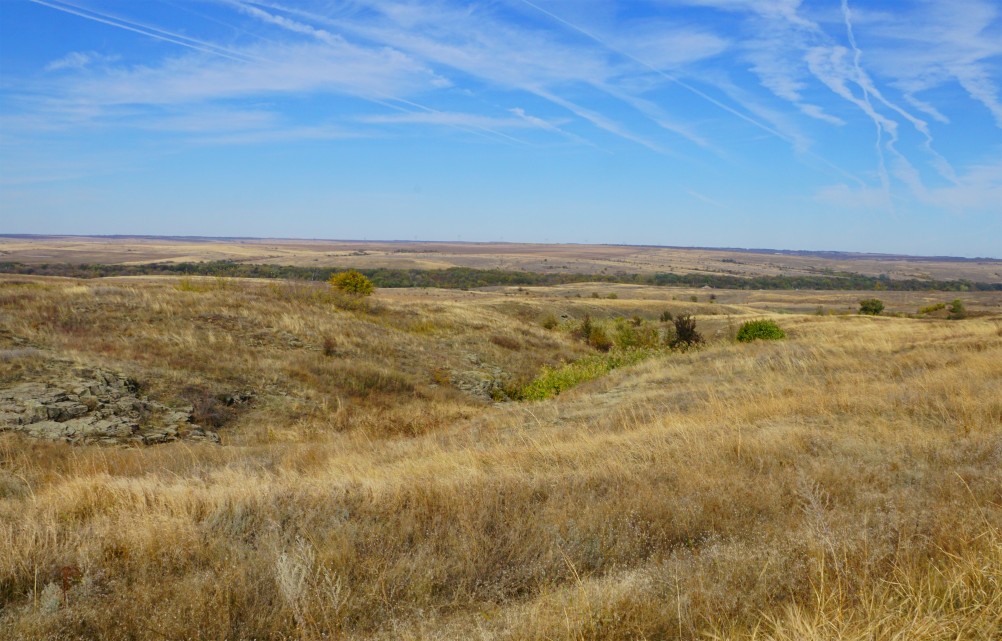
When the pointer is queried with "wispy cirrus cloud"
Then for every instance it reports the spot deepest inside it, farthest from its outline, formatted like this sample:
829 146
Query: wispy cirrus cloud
942 43
687 79
80 59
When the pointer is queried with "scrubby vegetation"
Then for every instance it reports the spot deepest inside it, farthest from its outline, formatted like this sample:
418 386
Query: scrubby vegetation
760 330
352 283
871 306
686 334
554 380
840 484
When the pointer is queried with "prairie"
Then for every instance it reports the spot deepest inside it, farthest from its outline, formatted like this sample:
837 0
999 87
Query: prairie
540 258
842 483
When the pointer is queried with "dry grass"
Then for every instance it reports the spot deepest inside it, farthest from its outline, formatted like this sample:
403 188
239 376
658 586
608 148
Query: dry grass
544 258
841 484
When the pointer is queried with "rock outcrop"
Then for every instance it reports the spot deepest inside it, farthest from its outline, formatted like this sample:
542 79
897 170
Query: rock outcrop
94 406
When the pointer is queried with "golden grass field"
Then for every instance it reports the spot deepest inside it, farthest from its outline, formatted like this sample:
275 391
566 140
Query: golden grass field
843 483
543 258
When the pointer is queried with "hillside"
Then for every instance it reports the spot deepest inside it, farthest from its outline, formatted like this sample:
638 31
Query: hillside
376 476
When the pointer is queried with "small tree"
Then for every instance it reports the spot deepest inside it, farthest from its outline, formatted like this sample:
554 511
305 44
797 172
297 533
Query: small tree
871 306
686 334
957 309
352 283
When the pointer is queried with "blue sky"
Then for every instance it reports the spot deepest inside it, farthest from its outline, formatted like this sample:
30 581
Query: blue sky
741 123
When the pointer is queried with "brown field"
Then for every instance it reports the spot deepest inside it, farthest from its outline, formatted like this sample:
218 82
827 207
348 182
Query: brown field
544 258
842 483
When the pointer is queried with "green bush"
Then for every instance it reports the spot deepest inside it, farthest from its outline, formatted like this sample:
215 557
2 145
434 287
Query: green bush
871 306
636 333
928 309
760 329
593 334
352 282
957 310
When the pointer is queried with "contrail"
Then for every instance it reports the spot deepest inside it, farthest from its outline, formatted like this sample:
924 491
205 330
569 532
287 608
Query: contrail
878 120
869 88
694 90
151 32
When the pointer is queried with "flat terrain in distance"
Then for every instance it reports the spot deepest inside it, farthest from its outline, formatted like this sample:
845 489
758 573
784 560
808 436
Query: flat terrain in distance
543 258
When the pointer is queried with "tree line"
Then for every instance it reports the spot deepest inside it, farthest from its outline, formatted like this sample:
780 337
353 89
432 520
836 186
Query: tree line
470 278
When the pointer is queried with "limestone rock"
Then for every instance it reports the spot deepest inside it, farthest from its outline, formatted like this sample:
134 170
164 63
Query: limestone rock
91 405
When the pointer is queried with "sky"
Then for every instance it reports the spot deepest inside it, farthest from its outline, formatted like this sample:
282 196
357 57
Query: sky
816 125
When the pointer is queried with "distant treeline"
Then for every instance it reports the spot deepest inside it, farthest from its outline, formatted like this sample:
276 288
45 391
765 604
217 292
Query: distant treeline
468 278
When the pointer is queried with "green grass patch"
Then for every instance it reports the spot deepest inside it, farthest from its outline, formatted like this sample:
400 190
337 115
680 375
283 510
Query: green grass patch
552 381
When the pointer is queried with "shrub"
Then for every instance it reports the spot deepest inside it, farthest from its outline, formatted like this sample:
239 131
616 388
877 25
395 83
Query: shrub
593 334
550 322
928 309
957 309
212 409
613 296
352 282
634 333
329 346
686 334
598 339
760 329
666 316
871 306
506 342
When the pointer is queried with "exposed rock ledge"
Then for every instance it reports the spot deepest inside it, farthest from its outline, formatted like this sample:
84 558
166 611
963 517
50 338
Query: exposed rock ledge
95 406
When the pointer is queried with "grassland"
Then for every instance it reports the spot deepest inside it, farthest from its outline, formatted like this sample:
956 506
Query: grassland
539 258
842 483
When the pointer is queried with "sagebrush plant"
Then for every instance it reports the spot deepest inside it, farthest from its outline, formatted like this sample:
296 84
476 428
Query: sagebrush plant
759 330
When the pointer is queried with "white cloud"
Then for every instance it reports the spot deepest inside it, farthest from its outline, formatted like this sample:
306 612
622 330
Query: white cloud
79 60
280 69
866 198
979 190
